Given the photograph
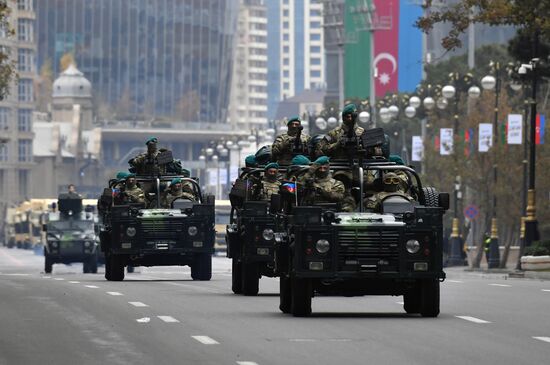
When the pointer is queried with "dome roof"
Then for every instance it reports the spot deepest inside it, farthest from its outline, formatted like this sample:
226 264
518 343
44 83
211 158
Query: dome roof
72 84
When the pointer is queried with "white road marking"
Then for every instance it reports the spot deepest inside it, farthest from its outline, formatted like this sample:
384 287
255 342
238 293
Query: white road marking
114 293
138 304
473 319
168 319
59 279
548 290
302 340
545 339
205 340
16 274
454 281
143 320
91 286
246 363
46 277
74 282
503 285
400 303
339 340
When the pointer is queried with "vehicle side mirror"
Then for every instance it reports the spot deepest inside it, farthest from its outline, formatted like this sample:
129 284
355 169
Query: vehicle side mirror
275 204
444 200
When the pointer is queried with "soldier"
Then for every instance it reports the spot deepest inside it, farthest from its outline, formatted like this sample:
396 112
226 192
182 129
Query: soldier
319 186
404 184
391 183
333 144
146 163
71 193
270 183
297 165
131 192
175 191
291 143
250 161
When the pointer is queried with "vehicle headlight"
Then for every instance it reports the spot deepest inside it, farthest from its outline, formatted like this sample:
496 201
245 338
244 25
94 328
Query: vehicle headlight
192 230
54 244
87 244
268 234
131 231
322 246
413 246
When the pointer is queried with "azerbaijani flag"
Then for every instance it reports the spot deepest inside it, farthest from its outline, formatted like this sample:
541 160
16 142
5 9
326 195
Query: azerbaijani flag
290 187
539 129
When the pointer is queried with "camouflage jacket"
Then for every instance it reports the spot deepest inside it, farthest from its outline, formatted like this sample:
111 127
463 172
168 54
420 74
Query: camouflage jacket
326 190
134 195
168 197
331 145
145 164
282 148
269 188
374 202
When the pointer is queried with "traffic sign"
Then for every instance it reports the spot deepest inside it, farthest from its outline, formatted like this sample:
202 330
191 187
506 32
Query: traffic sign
471 211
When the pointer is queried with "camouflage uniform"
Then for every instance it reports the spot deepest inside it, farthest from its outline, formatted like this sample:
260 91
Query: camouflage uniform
168 197
134 195
281 150
146 164
332 145
269 188
390 188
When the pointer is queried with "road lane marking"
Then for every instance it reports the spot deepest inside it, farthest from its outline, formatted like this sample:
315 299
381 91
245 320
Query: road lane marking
16 274
143 320
74 282
59 279
46 277
545 339
400 303
302 340
503 285
548 290
168 319
138 304
205 340
454 281
473 319
114 293
91 286
247 363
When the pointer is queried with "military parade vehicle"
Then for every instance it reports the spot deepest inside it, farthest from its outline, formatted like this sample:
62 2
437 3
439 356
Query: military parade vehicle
146 234
395 249
70 235
250 235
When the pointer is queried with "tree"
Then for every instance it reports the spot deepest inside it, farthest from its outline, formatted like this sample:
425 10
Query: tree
7 63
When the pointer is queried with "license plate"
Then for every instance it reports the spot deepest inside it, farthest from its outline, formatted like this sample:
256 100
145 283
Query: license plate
197 243
262 251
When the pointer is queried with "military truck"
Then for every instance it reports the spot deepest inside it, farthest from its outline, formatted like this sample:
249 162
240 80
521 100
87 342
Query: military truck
70 235
396 250
250 235
139 234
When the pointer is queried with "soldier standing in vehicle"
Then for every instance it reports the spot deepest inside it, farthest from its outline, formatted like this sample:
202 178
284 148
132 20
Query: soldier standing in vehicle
270 183
175 191
71 193
147 163
333 144
290 144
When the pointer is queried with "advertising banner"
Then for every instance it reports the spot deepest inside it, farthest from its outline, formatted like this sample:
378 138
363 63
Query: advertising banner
417 148
485 137
446 141
515 123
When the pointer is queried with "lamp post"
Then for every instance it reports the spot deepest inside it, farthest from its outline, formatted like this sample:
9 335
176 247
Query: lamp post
401 104
458 84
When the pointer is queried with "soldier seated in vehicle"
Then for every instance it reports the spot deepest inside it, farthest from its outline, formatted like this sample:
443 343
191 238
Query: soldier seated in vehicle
392 186
318 186
270 181
290 144
298 166
175 191
130 191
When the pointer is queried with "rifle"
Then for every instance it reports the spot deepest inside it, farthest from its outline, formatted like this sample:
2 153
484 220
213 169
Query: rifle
298 148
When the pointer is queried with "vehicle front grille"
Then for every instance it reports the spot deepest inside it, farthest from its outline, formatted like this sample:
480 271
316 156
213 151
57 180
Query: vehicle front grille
368 248
161 229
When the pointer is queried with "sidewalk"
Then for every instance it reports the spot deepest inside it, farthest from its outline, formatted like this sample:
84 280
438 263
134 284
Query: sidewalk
503 273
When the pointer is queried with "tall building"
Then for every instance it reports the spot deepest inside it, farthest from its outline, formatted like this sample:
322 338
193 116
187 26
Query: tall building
16 157
149 58
248 106
295 49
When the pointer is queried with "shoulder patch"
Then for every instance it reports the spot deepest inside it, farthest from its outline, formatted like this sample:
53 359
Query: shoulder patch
359 131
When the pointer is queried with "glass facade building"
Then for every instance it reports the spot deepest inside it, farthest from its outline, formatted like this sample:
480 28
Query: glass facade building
146 57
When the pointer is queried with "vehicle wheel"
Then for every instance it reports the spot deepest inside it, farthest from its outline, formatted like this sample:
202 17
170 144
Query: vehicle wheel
27 245
130 269
107 266
201 269
429 302
411 300
284 294
48 265
432 197
85 266
236 276
301 293
92 264
250 279
19 245
116 266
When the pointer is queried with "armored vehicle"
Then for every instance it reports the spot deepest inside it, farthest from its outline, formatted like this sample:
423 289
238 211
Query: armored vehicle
146 234
70 236
393 249
250 235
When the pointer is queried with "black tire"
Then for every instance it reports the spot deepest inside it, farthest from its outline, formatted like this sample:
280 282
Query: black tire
236 276
19 245
432 197
301 293
285 294
86 266
107 267
48 265
116 268
412 299
429 302
27 245
250 279
130 269
92 263
201 269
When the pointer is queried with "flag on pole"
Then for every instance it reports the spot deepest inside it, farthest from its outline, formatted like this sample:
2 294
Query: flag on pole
485 140
467 139
446 139
417 148
539 136
515 128
436 143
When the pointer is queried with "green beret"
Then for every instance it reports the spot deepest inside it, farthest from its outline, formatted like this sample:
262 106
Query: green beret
294 119
272 165
152 140
300 160
349 109
323 160
122 175
185 172
397 159
250 161
129 175
175 180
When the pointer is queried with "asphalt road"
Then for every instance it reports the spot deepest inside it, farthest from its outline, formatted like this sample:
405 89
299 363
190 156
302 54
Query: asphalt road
160 316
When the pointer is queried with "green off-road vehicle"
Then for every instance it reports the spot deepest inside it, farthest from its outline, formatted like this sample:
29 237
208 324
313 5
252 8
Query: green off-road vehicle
136 235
